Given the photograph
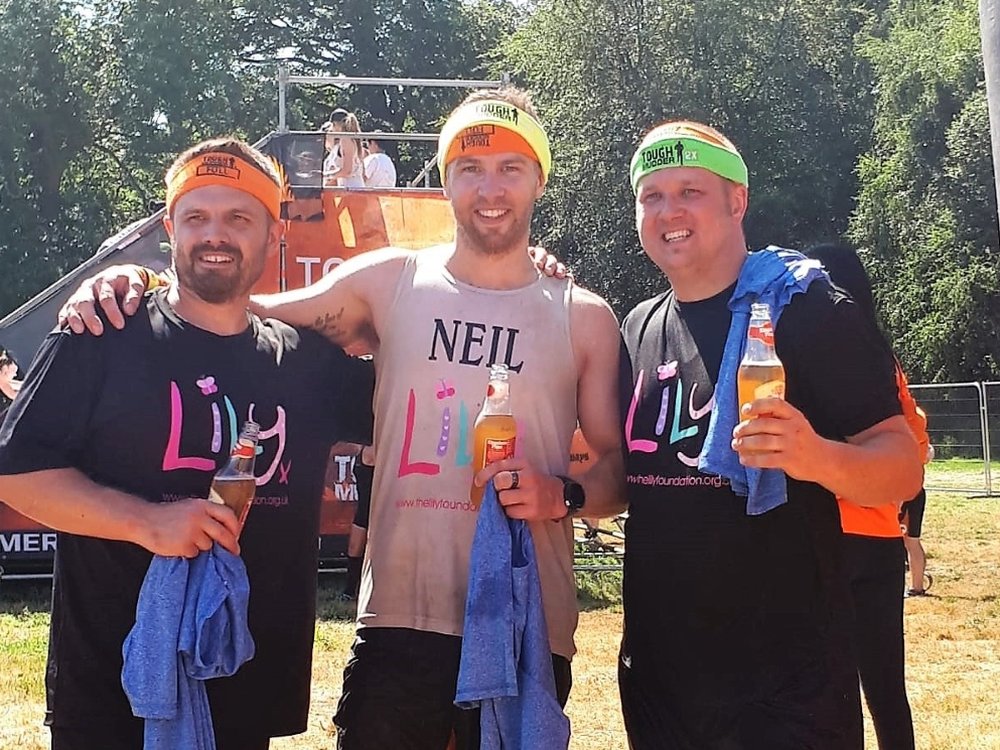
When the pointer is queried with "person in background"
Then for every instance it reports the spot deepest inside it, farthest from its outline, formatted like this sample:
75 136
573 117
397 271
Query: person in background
911 516
305 176
343 166
364 474
873 544
8 372
380 172
9 387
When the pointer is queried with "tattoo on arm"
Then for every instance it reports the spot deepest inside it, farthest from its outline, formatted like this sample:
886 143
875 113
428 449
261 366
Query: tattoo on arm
329 325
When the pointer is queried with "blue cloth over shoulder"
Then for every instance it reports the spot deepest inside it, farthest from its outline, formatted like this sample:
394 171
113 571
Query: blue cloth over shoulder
190 626
506 663
773 275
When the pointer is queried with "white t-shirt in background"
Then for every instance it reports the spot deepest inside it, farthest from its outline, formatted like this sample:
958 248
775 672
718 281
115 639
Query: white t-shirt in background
379 171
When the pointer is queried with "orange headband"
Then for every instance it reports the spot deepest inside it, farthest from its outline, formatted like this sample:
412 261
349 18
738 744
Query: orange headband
220 168
477 140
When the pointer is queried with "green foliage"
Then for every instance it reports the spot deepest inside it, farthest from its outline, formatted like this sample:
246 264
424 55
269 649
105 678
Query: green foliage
926 213
387 38
44 129
100 95
774 77
599 589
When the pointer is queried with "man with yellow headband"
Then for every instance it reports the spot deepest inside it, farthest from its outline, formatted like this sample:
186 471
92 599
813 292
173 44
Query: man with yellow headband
735 623
114 441
436 320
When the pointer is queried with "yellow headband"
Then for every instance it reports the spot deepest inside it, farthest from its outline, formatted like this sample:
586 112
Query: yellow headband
485 116
220 168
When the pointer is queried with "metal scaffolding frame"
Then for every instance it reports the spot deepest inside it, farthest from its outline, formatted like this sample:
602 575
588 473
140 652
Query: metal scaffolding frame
285 79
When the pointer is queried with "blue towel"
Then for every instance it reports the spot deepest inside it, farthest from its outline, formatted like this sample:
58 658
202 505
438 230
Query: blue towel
506 664
190 626
772 275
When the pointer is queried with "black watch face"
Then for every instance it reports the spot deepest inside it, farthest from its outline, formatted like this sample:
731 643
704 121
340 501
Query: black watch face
573 495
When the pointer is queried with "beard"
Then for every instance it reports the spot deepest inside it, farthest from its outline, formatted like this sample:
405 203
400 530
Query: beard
229 282
495 241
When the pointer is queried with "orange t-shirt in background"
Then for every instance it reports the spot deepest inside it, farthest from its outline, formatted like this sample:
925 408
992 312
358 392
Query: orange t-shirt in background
883 521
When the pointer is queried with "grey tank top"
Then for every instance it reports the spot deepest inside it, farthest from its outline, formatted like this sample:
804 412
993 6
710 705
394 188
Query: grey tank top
436 348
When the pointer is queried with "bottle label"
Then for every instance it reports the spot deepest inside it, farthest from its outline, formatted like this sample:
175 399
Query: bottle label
243 449
497 450
763 332
770 389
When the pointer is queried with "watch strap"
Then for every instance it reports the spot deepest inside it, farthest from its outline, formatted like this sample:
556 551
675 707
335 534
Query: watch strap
573 495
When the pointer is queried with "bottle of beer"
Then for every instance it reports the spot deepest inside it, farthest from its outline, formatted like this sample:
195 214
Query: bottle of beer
234 484
495 430
761 374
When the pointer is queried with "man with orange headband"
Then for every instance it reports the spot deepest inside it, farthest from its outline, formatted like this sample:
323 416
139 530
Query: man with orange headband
735 613
114 440
437 319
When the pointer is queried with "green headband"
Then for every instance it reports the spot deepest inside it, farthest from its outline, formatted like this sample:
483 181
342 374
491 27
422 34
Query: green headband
687 152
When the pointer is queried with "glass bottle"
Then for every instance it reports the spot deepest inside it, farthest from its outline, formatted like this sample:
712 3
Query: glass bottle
761 374
234 484
495 431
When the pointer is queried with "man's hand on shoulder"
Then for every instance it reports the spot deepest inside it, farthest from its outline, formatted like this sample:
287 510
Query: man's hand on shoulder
548 264
117 289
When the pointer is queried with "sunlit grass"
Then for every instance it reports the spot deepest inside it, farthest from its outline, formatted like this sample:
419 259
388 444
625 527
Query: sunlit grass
962 474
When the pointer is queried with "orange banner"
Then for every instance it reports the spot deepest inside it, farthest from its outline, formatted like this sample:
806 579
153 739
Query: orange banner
326 229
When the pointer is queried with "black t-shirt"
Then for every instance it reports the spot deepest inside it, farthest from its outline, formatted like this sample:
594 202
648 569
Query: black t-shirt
153 410
714 596
364 477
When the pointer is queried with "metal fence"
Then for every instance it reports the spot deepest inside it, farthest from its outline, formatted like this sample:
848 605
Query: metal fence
599 545
963 420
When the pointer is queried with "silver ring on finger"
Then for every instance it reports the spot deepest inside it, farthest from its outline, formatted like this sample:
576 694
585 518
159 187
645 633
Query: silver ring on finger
515 480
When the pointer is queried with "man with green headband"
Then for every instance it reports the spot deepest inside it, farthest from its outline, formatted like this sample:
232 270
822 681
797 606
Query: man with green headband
437 320
735 634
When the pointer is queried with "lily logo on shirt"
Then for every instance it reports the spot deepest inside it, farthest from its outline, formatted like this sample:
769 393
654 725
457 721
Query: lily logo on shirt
221 415
670 410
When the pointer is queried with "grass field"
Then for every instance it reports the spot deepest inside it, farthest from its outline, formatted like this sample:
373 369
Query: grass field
953 641
962 474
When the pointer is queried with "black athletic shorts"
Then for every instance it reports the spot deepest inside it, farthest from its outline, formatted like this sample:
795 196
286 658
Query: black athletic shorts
911 514
810 706
363 477
131 738
399 692
107 737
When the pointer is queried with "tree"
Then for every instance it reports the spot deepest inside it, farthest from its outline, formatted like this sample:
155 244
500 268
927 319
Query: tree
386 39
927 209
47 215
100 95
774 77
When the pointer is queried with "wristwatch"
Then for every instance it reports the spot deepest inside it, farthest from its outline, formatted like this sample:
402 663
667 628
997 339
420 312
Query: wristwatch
573 495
